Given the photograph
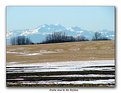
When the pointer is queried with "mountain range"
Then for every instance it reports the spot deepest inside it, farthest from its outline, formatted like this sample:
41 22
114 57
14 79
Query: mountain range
38 34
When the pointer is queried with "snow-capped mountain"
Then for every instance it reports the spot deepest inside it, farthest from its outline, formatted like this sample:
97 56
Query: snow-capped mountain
38 34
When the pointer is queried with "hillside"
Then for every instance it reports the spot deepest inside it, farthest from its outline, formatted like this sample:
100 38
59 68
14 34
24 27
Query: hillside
69 51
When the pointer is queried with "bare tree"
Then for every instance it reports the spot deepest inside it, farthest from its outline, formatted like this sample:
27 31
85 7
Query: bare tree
99 36
20 40
81 38
56 37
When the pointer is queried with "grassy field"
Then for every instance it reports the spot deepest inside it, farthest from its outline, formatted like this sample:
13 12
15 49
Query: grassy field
70 51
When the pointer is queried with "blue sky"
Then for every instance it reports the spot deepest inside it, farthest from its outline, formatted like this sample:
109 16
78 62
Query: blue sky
89 18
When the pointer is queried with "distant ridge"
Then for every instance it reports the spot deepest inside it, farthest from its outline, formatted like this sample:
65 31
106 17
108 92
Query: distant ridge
38 34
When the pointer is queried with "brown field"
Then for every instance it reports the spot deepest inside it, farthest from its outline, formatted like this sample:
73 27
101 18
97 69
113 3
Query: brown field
70 51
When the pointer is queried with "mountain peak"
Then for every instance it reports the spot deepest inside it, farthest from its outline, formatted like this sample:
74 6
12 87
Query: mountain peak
38 34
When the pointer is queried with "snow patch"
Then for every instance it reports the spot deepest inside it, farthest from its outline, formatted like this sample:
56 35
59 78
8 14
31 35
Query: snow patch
26 53
109 81
74 49
72 63
64 66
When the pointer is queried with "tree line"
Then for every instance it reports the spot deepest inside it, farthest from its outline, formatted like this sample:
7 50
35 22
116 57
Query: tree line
21 40
57 37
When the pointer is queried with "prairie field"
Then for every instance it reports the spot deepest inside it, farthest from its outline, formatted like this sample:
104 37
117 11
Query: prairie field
71 51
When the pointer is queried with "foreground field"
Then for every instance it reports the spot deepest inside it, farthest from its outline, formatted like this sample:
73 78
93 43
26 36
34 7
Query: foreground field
72 51
99 73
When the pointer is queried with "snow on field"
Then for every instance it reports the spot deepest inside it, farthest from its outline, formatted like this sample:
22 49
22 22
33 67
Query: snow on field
89 75
109 81
67 63
74 49
26 53
63 66
66 67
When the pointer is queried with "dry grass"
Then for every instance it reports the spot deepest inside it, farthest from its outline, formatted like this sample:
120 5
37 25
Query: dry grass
70 51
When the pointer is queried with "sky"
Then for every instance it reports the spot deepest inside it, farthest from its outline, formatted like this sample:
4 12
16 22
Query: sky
89 18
